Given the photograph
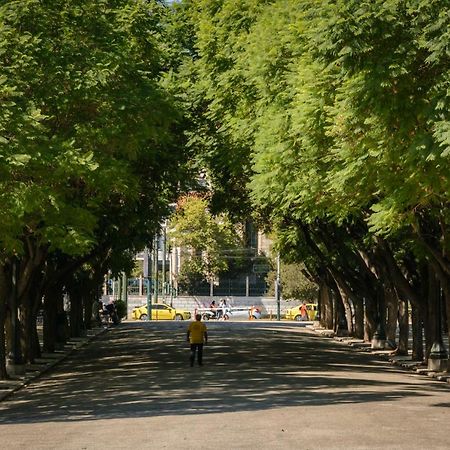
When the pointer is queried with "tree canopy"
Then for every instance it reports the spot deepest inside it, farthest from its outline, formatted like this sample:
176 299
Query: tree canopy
91 149
334 118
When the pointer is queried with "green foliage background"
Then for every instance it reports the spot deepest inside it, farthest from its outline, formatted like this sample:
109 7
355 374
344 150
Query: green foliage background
89 151
333 111
204 238
295 285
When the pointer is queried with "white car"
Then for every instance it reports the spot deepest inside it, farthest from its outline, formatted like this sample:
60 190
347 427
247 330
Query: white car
230 313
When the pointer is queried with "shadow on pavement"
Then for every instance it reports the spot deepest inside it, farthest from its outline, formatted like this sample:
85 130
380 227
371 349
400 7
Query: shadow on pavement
142 370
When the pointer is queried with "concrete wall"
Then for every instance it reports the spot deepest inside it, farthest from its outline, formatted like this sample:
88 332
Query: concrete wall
267 305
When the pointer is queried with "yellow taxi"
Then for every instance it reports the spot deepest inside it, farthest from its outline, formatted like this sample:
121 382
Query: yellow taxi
294 313
160 311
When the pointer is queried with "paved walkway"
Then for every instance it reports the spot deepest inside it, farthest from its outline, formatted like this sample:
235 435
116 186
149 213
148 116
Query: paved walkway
31 372
263 385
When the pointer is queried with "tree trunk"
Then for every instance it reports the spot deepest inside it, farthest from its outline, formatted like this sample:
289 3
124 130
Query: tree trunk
392 316
49 329
37 306
30 303
444 314
50 317
403 324
3 295
417 332
326 306
87 306
62 326
84 300
359 318
30 340
447 308
76 315
31 344
445 285
26 272
94 293
347 309
15 351
340 325
370 322
8 331
3 374
26 328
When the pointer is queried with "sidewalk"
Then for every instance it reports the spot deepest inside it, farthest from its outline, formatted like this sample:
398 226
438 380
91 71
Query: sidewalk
404 361
45 363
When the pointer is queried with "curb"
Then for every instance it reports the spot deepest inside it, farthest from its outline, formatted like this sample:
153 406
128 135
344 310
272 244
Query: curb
46 363
404 362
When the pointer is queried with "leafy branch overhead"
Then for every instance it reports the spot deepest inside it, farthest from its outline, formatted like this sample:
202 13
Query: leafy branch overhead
330 110
80 116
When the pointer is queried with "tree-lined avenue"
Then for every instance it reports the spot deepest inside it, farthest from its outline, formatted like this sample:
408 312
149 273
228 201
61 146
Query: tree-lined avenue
264 385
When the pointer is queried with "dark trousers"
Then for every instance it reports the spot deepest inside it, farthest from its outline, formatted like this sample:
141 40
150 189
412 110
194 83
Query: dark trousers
199 349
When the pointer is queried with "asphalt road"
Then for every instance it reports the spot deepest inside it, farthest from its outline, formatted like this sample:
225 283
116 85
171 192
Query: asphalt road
263 386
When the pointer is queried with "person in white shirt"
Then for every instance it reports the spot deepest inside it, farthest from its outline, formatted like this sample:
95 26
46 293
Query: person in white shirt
223 309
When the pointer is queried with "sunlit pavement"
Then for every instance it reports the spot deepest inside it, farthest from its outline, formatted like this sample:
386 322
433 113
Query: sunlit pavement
263 385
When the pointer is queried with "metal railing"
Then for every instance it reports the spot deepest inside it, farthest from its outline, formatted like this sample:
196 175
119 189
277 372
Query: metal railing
225 287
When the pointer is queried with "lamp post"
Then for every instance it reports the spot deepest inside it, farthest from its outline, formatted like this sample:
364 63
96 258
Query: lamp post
163 274
278 288
124 296
170 275
147 272
155 275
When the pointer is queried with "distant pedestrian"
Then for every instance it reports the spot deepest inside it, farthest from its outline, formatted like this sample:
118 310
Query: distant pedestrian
303 311
214 310
197 335
223 310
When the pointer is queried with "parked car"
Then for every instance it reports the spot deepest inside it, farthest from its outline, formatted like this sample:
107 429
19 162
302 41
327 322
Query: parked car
294 313
160 311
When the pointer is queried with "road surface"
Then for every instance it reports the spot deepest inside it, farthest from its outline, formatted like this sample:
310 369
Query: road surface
264 385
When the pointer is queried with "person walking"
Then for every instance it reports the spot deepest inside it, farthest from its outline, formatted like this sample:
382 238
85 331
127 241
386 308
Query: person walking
197 335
